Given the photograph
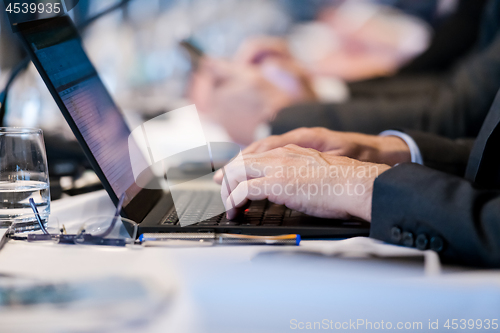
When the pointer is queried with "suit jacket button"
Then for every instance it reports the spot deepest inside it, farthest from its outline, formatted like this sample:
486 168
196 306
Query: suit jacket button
437 244
422 242
396 234
407 239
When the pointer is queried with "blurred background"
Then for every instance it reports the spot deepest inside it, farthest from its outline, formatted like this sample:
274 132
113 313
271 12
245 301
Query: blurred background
303 49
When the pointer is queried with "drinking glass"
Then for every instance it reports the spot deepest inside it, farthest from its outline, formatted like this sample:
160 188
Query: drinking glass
23 175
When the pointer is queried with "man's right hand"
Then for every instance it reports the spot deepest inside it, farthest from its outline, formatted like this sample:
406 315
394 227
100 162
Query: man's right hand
389 150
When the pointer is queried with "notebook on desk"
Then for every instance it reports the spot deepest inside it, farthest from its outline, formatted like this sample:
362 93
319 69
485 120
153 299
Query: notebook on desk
57 52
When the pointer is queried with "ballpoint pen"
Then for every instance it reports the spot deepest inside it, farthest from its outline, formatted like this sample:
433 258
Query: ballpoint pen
208 239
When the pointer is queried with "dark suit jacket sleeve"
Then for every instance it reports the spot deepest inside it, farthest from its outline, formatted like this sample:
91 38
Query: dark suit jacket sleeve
413 204
443 154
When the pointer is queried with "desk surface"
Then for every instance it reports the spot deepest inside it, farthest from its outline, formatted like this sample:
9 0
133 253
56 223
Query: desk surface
264 289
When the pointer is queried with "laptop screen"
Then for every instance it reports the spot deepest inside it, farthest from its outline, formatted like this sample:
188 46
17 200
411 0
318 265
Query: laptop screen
58 49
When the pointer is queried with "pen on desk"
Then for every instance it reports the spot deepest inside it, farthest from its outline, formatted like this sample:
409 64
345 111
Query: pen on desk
208 239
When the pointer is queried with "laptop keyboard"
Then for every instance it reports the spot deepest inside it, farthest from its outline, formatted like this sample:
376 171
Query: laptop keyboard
203 205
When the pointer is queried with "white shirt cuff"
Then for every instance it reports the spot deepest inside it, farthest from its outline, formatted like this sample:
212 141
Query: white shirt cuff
416 155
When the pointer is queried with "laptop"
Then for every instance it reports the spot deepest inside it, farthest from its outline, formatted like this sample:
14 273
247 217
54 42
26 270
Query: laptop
56 50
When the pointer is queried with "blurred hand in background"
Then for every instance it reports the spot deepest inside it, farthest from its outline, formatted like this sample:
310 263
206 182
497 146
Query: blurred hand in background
353 41
266 74
244 93
368 40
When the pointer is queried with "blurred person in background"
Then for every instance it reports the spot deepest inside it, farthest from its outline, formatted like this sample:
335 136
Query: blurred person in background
137 54
424 94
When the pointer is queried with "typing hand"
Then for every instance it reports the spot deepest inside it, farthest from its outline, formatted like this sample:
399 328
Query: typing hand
369 148
303 179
